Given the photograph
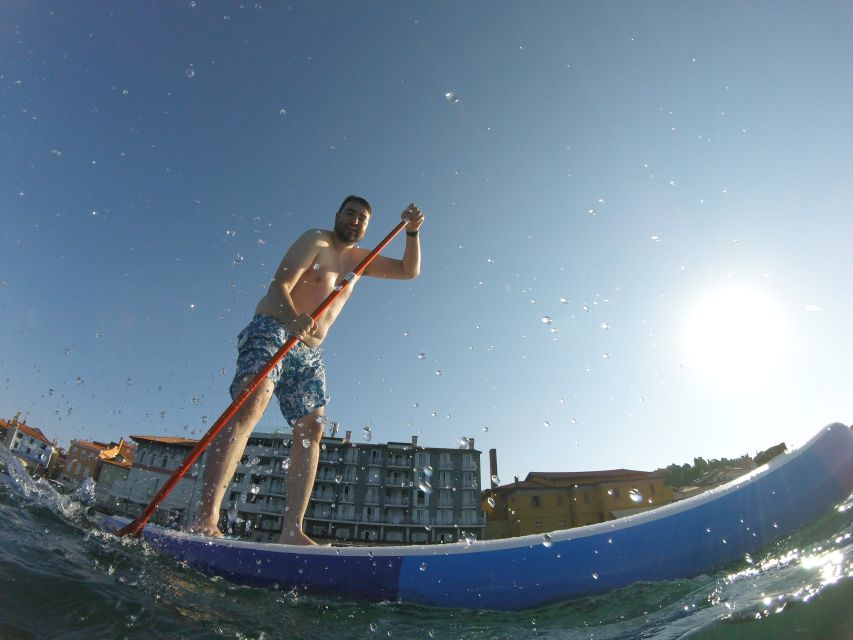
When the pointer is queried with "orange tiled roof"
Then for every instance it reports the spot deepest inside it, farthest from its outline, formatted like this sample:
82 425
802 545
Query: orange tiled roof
33 433
615 474
86 444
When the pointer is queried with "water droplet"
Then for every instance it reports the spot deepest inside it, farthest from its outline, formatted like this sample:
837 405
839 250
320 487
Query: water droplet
285 464
366 434
486 429
654 238
547 320
254 489
204 419
595 576
606 356
428 471
190 72
338 478
496 479
232 514
282 112
407 333
451 97
564 301
491 502
423 566
316 266
425 486
635 495
470 538
438 372
238 260
421 356
546 540
605 326
56 153
546 424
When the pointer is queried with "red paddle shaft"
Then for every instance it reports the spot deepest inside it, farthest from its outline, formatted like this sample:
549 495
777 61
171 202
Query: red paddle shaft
136 526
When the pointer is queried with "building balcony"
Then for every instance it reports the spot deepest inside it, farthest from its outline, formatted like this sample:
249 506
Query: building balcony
397 501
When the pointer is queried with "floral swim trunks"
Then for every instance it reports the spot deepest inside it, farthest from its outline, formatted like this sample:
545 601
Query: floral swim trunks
299 377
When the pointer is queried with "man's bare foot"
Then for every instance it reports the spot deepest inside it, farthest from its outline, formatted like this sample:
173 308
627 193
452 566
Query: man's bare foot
296 537
210 532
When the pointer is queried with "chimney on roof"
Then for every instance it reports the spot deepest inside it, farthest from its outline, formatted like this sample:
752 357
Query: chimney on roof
493 466
470 443
415 440
348 437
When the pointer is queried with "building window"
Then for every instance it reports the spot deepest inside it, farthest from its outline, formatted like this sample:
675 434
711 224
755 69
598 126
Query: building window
535 501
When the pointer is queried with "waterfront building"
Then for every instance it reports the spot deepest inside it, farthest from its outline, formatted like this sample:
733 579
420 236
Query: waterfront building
398 492
545 501
85 459
155 460
30 445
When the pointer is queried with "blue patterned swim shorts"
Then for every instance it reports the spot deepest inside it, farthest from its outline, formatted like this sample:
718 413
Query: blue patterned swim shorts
299 378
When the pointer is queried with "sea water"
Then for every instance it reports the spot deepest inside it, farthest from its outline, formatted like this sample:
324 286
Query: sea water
61 577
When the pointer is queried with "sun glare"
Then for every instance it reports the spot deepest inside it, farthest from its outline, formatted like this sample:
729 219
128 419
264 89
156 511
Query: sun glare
735 337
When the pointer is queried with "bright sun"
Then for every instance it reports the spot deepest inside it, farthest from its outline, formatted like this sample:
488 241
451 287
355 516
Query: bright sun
736 337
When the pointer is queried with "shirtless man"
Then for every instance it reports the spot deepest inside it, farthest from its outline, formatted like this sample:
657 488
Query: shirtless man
310 269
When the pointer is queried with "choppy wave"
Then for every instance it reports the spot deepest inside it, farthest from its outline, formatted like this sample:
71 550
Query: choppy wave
62 577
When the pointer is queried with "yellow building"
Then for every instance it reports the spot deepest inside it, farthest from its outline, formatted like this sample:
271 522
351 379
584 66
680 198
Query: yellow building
545 502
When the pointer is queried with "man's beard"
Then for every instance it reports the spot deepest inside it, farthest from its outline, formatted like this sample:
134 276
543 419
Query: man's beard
350 236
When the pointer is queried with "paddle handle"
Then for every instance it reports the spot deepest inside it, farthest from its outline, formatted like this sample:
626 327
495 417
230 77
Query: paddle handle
135 527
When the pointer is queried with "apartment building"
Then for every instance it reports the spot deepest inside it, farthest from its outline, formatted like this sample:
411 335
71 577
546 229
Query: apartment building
397 492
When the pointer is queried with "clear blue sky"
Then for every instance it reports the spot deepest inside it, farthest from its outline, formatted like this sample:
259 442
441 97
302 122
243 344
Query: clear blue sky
628 158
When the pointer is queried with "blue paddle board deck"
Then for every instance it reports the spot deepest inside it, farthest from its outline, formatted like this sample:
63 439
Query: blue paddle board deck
679 540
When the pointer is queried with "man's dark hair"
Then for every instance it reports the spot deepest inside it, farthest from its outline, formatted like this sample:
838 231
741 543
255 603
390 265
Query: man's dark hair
364 203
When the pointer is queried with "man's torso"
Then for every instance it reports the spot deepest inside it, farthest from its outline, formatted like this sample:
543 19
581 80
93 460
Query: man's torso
328 267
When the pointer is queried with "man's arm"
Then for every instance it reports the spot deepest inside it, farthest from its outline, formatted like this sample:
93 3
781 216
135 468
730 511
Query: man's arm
410 266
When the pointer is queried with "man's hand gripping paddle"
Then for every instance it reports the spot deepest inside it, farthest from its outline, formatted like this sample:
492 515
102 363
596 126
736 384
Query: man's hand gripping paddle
135 527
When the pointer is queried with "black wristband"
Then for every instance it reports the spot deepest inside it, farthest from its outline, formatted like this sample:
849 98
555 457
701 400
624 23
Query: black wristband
412 233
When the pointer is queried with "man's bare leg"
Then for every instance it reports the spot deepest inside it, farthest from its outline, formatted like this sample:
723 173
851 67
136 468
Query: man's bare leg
300 476
223 456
